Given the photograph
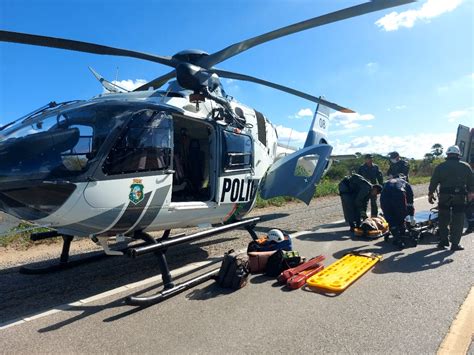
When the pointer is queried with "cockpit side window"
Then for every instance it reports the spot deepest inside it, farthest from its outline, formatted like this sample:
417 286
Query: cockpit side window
237 151
144 145
77 157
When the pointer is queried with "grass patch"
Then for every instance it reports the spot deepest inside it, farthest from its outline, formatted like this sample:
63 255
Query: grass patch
326 187
19 236
418 180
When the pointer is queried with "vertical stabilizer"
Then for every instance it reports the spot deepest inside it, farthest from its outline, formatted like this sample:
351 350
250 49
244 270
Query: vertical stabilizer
319 127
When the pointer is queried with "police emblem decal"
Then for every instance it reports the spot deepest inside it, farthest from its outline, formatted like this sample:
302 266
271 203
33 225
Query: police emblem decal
136 191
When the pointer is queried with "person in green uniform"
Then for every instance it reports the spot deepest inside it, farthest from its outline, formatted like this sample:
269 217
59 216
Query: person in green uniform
456 184
355 192
371 173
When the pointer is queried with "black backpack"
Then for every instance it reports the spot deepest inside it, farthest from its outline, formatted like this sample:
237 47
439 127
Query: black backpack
281 260
234 270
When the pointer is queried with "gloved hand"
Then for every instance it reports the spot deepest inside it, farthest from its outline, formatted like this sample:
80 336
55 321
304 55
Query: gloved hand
431 198
412 221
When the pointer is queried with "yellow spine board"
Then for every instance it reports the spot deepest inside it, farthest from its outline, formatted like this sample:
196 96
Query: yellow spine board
343 272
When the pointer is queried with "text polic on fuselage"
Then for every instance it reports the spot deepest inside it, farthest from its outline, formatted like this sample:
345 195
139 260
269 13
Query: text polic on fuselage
238 190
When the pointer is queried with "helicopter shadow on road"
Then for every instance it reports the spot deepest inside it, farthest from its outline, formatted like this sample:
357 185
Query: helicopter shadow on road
325 233
90 310
20 293
268 218
407 260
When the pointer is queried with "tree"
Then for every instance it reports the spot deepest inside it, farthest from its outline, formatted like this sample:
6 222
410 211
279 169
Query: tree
428 158
437 150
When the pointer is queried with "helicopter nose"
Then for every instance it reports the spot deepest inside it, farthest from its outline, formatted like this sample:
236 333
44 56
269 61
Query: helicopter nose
34 201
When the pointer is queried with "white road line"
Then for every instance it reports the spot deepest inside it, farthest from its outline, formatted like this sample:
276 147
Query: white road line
420 198
461 332
153 279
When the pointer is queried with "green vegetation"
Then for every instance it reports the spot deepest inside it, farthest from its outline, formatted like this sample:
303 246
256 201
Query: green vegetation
19 236
420 173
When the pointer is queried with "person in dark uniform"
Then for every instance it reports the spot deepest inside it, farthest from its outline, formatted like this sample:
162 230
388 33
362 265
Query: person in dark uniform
456 184
355 192
470 210
470 216
397 166
371 173
396 201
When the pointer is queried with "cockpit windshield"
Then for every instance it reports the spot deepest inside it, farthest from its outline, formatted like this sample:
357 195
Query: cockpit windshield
61 144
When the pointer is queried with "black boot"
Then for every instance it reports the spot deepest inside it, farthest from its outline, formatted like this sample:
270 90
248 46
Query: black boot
443 245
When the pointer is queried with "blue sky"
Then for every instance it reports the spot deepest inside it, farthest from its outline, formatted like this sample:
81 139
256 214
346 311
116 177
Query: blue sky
407 71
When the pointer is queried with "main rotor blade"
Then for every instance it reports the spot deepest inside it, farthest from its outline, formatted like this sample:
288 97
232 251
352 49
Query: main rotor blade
231 75
157 82
236 48
53 42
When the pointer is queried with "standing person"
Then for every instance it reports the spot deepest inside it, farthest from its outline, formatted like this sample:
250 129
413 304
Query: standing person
470 210
456 185
371 173
397 166
470 216
396 201
355 192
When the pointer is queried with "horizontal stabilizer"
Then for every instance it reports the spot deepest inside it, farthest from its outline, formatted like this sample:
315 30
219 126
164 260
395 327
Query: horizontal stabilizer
110 87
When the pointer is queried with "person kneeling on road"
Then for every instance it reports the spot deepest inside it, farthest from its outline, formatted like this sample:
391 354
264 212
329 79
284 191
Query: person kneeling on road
456 187
396 201
355 192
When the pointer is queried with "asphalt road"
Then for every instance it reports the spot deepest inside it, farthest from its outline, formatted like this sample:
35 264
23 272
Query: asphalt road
405 304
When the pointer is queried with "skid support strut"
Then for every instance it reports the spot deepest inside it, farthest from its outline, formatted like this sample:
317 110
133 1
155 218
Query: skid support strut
64 262
159 248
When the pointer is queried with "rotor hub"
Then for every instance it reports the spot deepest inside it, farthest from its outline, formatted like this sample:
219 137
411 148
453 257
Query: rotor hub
192 56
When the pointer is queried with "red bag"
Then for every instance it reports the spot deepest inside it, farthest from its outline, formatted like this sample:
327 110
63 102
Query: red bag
311 263
298 280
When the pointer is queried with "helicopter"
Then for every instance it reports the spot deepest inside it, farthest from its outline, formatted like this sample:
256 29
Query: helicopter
126 163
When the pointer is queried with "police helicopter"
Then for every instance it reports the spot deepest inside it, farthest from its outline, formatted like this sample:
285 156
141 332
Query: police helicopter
127 163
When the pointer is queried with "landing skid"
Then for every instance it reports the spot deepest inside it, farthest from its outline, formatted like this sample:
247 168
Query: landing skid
150 245
64 262
159 248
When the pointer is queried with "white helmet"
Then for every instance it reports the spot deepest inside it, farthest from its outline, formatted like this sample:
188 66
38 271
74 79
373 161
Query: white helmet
276 235
454 149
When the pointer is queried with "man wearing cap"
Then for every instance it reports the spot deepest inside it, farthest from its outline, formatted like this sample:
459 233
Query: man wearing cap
456 187
397 166
371 173
355 192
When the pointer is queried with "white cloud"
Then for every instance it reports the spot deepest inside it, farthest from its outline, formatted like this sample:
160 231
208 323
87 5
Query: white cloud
290 136
465 82
347 121
455 115
411 146
400 107
129 84
231 86
430 9
304 112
